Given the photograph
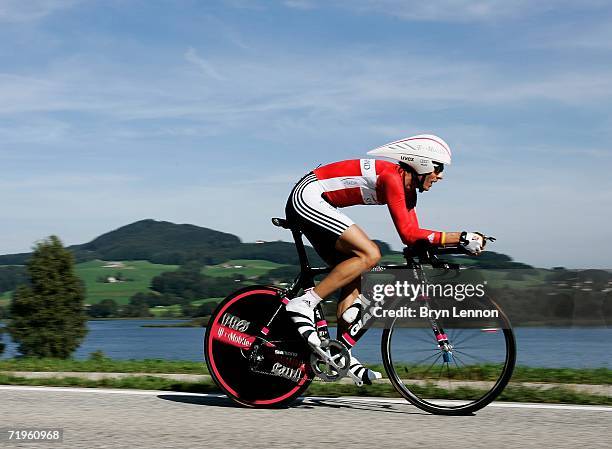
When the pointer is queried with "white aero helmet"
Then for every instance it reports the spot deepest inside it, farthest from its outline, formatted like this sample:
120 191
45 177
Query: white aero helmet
424 153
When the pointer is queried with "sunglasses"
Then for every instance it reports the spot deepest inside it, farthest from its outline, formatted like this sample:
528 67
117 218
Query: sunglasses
438 168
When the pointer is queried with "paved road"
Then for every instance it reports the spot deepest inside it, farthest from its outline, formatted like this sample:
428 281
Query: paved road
95 418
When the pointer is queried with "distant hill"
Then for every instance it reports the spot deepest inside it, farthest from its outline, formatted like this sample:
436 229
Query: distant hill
157 242
168 243
490 260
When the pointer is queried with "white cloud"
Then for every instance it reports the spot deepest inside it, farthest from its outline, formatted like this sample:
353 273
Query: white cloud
594 36
300 4
31 10
451 10
192 56
66 182
254 5
36 130
325 87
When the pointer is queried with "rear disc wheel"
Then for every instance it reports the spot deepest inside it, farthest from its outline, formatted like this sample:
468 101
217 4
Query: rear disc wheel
254 365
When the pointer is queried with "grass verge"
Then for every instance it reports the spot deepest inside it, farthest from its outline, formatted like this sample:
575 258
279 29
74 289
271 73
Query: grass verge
592 376
136 382
104 365
99 363
511 393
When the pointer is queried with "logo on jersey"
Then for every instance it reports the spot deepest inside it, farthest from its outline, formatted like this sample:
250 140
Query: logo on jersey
350 182
431 237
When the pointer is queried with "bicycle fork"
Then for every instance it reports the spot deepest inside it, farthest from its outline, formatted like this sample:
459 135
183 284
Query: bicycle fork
441 337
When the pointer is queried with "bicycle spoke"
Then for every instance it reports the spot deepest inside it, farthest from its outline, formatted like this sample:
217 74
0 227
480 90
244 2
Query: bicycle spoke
434 362
454 335
467 367
428 341
470 368
473 356
455 361
455 347
468 338
456 357
441 370
427 350
427 358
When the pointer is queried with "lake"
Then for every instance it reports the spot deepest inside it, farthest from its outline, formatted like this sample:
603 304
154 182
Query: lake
577 347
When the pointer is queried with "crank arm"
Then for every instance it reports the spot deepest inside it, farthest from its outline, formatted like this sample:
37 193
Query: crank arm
355 378
326 357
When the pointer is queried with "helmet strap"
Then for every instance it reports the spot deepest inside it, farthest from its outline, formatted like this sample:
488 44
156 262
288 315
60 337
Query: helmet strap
415 179
421 182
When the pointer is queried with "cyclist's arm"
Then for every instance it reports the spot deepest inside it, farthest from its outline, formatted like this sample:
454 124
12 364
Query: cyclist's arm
406 221
452 238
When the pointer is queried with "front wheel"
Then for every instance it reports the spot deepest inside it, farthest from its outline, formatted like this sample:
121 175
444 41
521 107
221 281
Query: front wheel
456 382
255 363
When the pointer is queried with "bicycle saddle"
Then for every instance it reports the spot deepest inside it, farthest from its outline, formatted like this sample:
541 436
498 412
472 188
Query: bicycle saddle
281 223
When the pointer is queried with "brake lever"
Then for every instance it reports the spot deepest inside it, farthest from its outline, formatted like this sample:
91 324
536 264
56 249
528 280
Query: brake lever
486 238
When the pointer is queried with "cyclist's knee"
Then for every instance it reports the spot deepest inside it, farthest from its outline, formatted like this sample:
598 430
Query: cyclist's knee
371 256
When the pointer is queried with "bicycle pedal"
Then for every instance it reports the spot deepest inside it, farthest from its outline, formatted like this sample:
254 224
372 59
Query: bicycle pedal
330 361
358 381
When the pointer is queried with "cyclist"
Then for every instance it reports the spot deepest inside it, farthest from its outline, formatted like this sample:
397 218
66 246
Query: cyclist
313 206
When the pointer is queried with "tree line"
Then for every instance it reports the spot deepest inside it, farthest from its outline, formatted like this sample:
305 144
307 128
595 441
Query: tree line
182 287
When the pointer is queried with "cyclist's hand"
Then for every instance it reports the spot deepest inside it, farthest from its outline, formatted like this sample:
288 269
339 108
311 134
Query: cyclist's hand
473 242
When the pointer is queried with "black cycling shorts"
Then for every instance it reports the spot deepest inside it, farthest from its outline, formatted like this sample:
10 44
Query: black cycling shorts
320 222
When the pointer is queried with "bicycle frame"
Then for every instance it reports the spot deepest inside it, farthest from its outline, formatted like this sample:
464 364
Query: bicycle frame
423 252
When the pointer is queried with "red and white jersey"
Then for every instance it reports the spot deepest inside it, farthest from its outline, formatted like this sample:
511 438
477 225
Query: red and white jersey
373 181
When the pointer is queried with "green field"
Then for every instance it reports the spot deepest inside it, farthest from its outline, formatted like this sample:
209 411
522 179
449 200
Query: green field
166 311
5 298
175 311
139 272
199 302
249 268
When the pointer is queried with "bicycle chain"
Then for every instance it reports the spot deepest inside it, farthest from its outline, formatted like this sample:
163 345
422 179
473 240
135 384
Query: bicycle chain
314 379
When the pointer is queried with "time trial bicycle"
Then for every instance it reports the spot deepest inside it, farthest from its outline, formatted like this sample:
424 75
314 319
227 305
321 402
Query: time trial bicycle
256 356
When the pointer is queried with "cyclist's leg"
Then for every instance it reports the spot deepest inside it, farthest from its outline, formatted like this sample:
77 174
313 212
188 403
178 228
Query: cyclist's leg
337 239
359 254
351 327
349 293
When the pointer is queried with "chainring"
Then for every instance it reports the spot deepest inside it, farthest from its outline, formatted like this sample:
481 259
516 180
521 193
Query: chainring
323 365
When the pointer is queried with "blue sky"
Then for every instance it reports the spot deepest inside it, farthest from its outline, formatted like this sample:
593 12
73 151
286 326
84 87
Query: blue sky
208 112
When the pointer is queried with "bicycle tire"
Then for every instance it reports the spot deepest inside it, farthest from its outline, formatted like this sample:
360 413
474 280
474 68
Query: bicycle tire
465 409
228 364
